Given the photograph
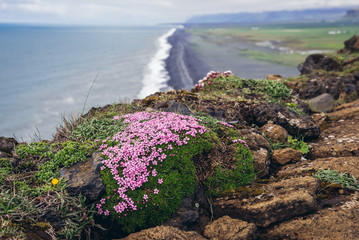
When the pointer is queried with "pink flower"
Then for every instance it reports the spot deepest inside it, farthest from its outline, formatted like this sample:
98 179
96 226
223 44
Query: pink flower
145 197
160 181
155 191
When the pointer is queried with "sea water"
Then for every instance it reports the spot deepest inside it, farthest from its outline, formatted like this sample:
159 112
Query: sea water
46 72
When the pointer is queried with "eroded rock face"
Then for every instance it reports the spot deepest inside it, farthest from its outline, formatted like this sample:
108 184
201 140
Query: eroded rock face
85 178
227 228
340 222
279 201
322 103
318 61
164 232
294 123
274 132
7 145
284 156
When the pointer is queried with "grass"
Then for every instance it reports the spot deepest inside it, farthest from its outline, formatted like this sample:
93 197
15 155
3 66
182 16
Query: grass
344 179
298 38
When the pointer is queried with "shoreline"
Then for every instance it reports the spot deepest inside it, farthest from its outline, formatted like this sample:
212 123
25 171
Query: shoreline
184 65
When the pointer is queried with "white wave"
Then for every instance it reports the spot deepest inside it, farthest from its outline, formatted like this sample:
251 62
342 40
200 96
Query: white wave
156 75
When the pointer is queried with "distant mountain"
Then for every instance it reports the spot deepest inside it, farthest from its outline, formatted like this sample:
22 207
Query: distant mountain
352 15
307 15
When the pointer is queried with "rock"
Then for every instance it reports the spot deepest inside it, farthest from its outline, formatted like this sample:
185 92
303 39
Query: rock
164 232
284 156
351 45
254 139
227 228
3 154
217 113
261 162
277 202
173 106
193 214
85 178
7 144
318 62
274 132
294 123
339 164
340 222
319 118
334 150
260 149
322 103
274 77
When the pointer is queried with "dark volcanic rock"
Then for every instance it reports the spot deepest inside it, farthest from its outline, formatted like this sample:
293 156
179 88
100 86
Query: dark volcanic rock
7 144
294 123
85 178
172 106
318 62
351 45
193 214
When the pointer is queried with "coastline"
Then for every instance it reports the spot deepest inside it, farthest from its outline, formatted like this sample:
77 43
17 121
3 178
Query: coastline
184 65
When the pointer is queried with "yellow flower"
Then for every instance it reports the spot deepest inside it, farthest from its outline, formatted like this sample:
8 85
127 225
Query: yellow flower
54 181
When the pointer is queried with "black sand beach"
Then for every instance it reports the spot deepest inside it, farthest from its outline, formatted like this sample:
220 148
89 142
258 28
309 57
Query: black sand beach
192 56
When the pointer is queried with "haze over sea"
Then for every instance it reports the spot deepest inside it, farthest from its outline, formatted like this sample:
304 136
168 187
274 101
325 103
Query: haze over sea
46 72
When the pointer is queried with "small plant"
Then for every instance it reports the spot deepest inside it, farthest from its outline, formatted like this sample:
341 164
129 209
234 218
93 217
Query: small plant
335 177
295 143
148 167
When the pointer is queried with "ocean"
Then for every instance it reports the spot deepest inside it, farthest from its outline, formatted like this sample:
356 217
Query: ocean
47 72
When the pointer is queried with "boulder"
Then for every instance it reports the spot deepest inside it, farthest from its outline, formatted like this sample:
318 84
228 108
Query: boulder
274 132
173 106
227 228
318 62
274 77
254 139
351 45
7 144
294 123
274 202
164 232
85 178
217 113
322 103
284 156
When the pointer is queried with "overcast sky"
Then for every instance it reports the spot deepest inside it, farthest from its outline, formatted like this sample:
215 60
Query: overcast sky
140 12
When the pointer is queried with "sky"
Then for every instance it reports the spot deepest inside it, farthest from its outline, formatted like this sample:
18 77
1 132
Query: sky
140 12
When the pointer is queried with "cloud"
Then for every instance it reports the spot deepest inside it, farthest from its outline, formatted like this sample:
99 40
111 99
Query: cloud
141 12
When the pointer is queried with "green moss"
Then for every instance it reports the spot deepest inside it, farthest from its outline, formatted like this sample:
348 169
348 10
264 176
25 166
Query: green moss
5 169
178 173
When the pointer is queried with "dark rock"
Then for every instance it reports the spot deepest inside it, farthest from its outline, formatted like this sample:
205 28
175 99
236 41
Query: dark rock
313 88
217 113
322 103
351 45
227 228
294 123
318 62
274 132
172 106
7 144
164 232
254 139
193 214
85 178
3 154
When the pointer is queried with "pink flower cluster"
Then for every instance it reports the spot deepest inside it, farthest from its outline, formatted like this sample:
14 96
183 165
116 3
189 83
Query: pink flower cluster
135 153
240 141
226 124
211 76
